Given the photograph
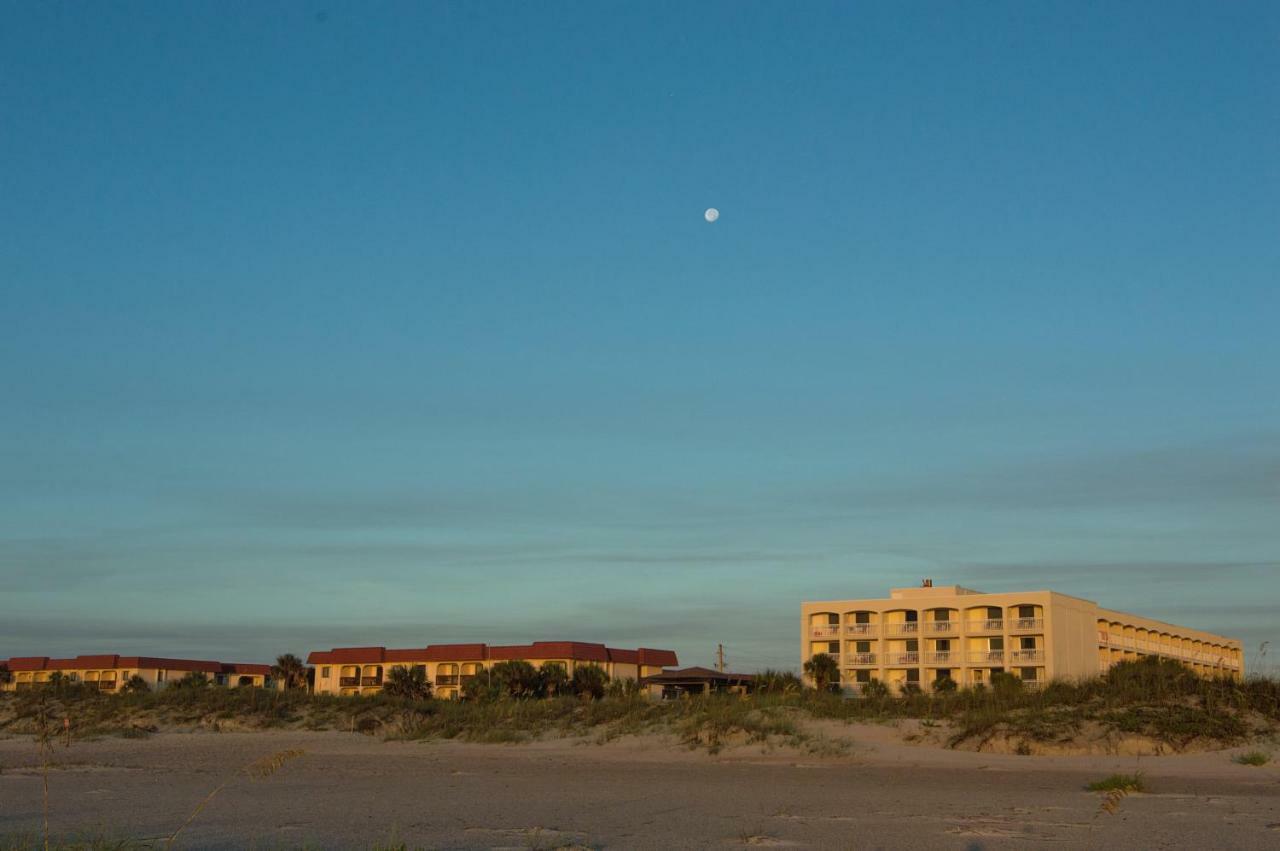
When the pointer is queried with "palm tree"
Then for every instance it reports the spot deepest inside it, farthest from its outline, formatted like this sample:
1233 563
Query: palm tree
411 683
771 681
824 670
517 678
290 670
555 679
590 681
135 685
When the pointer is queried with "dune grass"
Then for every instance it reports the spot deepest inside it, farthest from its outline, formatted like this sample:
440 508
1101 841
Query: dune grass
1252 758
1119 783
1159 699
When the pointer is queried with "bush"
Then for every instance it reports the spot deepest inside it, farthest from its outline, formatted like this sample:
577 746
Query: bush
1119 783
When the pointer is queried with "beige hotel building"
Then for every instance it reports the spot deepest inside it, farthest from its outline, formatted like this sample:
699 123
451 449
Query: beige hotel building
921 635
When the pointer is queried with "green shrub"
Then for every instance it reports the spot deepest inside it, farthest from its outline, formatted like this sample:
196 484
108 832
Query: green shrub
1252 758
1119 783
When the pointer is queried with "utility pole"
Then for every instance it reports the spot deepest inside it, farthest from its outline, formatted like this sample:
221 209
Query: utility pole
720 658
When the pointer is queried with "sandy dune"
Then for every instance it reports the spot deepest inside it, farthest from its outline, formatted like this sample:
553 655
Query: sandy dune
353 791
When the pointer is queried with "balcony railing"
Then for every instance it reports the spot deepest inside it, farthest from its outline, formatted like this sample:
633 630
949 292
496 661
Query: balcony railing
1026 656
984 657
941 627
986 625
862 659
452 679
348 681
1027 625
942 657
862 628
106 685
824 631
908 628
371 681
909 658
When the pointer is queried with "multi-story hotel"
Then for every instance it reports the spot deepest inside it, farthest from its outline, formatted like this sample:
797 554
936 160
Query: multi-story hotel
922 635
360 670
109 673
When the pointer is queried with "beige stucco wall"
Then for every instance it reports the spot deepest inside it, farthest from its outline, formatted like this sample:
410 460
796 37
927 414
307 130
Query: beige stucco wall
329 683
1065 631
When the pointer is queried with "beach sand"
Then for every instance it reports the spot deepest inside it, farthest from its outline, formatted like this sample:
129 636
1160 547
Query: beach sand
353 791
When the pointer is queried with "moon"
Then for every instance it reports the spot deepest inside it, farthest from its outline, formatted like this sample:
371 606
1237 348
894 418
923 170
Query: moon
711 214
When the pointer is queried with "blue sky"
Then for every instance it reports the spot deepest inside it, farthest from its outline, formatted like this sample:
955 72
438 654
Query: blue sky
324 324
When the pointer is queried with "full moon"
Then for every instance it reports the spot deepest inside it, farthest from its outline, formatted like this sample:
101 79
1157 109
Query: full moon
711 214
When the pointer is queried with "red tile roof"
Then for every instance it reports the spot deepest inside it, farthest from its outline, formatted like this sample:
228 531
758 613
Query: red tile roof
577 651
80 663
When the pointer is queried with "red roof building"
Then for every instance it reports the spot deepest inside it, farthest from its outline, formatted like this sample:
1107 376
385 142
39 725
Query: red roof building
359 670
109 672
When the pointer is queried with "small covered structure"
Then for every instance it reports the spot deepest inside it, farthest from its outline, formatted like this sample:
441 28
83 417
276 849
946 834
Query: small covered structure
684 682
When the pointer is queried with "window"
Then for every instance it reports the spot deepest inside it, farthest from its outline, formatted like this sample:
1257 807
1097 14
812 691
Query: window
1029 674
942 614
422 668
943 674
74 676
324 673
995 643
1028 642
912 617
833 648
863 676
997 670
913 645
862 647
994 613
862 617
943 645
913 675
1026 611
833 620
160 676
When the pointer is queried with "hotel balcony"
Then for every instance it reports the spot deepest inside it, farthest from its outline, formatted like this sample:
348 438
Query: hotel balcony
904 659
106 685
829 631
371 681
862 659
446 679
1027 625
946 657
1026 656
941 627
862 629
988 625
348 682
986 657
909 628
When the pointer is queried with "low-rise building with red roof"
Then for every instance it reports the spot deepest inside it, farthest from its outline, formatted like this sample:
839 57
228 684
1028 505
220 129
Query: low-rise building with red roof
360 670
110 672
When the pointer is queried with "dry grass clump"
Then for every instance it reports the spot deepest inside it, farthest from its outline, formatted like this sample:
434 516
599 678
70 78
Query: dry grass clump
1252 758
